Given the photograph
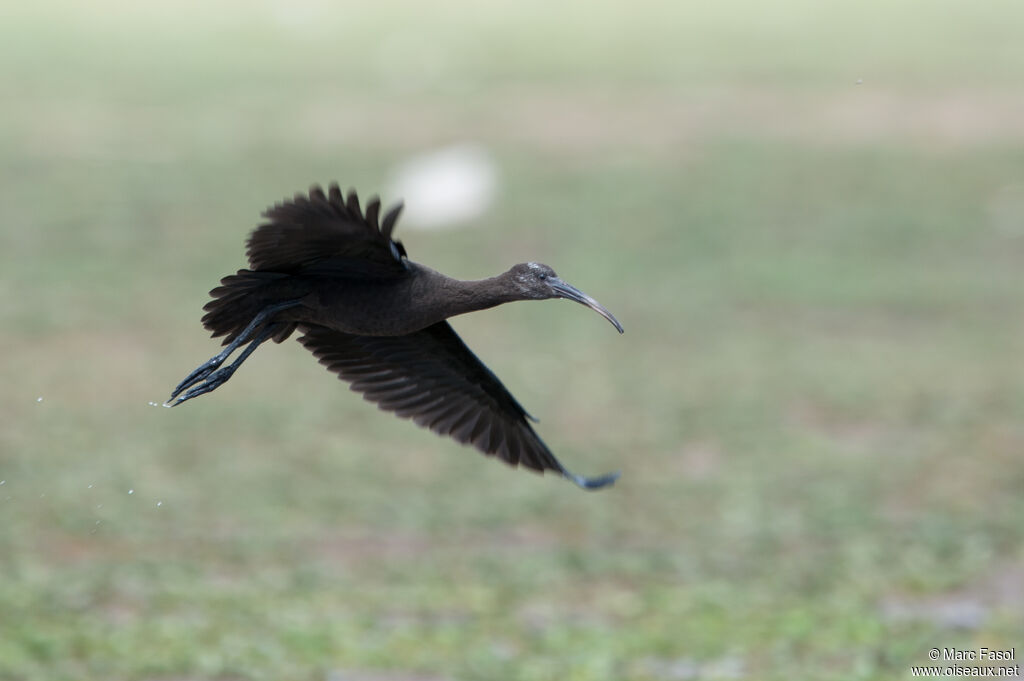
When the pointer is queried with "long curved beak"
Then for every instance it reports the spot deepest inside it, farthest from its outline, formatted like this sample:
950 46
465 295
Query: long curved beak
564 290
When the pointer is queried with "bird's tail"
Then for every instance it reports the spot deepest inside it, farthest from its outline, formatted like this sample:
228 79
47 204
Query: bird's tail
238 299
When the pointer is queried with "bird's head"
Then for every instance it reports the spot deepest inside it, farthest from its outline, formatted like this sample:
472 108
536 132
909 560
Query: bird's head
536 281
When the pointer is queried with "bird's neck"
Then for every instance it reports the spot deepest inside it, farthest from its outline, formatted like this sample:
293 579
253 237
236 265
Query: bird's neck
479 294
446 297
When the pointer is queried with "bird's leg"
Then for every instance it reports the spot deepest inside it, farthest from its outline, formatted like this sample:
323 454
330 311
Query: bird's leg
218 378
208 367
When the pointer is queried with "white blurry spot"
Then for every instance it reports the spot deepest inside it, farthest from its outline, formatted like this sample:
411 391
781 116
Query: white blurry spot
153 404
445 187
131 491
2 482
89 487
159 504
860 81
39 399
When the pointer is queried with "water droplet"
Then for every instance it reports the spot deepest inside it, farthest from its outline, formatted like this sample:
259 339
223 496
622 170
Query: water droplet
131 491
89 487
159 504
153 404
860 81
2 482
39 399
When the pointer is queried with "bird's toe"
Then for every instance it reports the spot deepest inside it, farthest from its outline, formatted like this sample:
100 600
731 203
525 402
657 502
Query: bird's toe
595 482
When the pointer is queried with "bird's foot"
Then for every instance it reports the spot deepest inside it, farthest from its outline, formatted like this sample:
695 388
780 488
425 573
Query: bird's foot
200 373
207 376
210 382
593 483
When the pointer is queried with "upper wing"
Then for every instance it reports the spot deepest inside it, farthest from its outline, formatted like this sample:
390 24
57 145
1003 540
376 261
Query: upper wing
432 377
327 232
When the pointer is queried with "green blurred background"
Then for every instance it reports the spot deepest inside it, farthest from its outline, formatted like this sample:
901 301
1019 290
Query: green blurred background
808 216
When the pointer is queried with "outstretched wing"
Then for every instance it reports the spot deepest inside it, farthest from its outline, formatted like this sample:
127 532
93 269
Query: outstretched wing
327 232
432 378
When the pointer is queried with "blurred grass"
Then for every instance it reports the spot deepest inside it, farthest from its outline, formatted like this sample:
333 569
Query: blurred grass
817 406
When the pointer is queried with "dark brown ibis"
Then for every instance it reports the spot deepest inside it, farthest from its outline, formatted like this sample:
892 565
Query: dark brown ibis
322 266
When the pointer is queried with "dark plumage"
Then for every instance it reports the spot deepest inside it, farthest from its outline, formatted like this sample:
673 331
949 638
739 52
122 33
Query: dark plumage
320 265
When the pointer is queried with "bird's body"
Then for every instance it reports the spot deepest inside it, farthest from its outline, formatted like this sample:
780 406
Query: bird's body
323 267
366 307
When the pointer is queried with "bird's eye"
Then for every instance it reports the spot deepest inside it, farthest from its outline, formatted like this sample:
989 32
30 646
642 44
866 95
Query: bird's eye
542 276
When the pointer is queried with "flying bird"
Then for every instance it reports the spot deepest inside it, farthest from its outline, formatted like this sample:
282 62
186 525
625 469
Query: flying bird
322 266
